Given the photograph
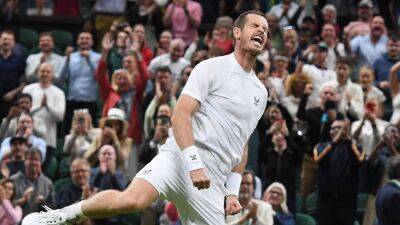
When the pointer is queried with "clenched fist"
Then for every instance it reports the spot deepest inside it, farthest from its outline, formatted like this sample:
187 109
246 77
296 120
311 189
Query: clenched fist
200 178
232 205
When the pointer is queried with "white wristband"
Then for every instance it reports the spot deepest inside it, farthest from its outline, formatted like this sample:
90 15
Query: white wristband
232 183
191 158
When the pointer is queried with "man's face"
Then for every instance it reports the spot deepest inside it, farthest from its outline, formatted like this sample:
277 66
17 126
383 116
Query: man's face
129 63
253 36
25 104
33 163
85 41
165 80
343 71
46 43
364 12
80 174
320 56
45 73
328 94
139 31
18 149
24 122
393 48
7 42
377 26
177 52
328 32
246 188
335 128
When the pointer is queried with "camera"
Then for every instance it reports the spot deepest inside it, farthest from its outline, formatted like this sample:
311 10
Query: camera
81 120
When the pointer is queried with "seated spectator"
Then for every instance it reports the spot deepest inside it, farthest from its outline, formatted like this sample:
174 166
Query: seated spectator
152 145
337 191
369 48
16 157
366 78
163 43
253 211
126 89
107 176
48 102
336 49
388 198
46 55
163 94
284 11
12 67
10 213
33 188
394 90
180 83
383 64
139 33
280 163
39 9
351 94
162 110
79 188
82 134
174 60
79 70
25 130
362 25
9 125
276 196
113 132
183 17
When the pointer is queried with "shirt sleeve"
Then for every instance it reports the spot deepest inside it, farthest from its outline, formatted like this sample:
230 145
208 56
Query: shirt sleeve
200 82
355 44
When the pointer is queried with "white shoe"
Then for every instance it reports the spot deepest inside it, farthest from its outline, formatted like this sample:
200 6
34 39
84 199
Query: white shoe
50 217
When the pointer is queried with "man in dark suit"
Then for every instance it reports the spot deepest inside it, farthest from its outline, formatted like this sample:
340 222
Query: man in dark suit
388 199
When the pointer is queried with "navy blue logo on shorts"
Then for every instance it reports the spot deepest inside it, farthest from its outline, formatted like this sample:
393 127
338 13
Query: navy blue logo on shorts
256 100
145 172
193 157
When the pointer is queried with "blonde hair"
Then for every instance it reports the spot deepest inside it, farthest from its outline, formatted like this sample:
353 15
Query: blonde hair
293 79
75 120
120 72
284 206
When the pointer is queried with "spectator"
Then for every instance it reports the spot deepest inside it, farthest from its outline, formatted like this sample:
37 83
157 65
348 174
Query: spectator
383 64
394 90
126 89
183 17
337 191
107 176
174 59
351 94
46 54
223 38
39 9
163 95
12 68
336 49
328 14
162 110
113 132
362 25
275 33
278 75
291 46
163 43
179 84
10 214
24 129
15 161
152 145
387 207
253 211
196 58
80 187
48 102
80 70
369 48
280 163
318 120
318 70
139 33
9 125
284 12
33 189
106 13
10 15
276 196
366 78
82 134
120 47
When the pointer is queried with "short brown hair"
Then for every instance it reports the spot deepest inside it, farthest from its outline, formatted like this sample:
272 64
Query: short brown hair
9 32
45 34
241 20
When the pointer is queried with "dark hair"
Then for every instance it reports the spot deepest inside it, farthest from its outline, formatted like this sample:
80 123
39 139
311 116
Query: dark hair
393 37
7 180
344 60
10 32
45 34
242 18
253 175
393 167
163 69
25 95
33 151
164 120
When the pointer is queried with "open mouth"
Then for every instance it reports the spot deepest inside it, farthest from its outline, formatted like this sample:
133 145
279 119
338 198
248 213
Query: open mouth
257 39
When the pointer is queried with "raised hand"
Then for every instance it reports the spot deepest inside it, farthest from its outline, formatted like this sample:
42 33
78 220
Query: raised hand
200 179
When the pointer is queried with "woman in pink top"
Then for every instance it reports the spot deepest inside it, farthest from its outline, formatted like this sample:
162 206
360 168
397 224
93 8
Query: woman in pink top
9 214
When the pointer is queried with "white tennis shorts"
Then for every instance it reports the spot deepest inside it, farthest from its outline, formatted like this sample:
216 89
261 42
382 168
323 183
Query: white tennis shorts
167 173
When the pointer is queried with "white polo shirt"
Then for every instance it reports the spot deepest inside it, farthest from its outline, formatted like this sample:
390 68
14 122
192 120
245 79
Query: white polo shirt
232 101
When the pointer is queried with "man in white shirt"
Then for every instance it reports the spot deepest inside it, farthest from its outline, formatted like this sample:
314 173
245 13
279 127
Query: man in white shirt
48 102
284 11
46 45
212 121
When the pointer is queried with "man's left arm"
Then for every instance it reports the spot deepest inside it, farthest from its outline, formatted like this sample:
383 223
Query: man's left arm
233 182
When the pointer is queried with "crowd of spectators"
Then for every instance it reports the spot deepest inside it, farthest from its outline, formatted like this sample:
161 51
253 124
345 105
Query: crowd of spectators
85 117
